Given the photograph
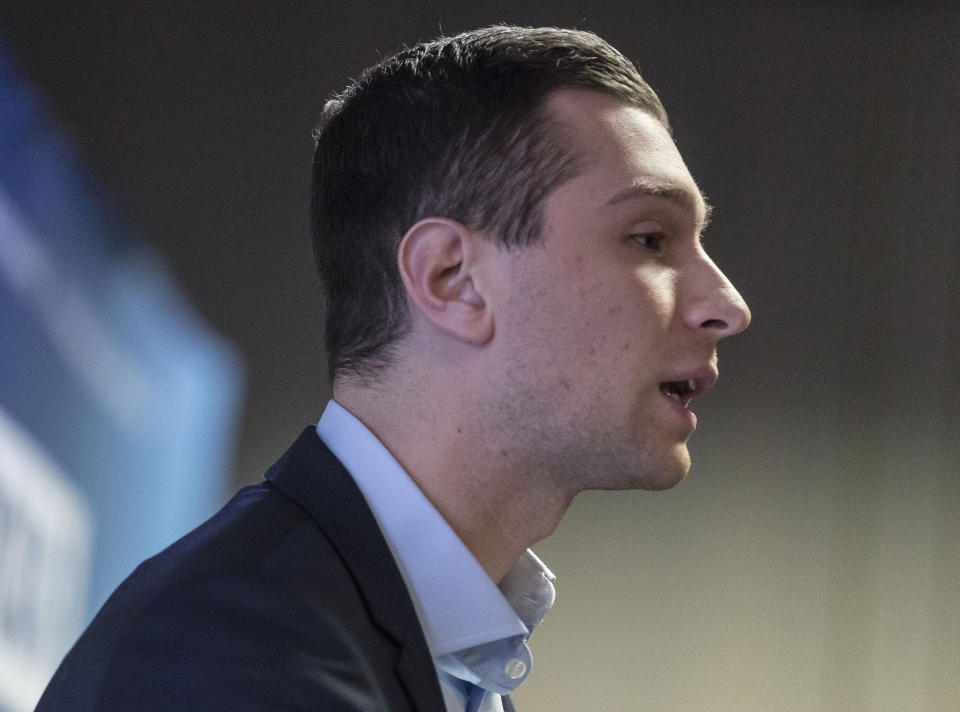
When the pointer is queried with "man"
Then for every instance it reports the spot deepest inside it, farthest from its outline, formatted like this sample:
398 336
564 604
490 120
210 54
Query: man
519 309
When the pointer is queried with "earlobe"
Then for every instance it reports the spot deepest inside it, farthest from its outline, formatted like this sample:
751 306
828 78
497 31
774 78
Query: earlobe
437 259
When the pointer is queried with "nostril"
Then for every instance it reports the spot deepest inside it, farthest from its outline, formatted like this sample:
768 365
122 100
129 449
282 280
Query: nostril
715 324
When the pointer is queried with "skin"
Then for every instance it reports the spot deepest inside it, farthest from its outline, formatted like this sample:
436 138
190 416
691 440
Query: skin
532 375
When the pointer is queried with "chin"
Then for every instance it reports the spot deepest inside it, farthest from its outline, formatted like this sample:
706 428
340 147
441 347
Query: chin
644 473
663 483
671 472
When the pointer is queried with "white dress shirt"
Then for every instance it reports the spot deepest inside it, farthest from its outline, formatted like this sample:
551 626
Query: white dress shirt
477 632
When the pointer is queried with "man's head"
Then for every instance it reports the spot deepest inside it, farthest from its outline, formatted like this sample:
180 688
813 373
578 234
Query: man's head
528 250
456 128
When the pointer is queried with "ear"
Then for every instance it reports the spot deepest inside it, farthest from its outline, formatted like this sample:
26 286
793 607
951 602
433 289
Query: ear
437 259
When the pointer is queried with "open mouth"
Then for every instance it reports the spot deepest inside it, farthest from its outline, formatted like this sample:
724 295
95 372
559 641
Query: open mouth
680 391
683 390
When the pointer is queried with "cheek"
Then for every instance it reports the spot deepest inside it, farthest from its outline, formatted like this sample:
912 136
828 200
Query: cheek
638 340
636 312
654 298
590 317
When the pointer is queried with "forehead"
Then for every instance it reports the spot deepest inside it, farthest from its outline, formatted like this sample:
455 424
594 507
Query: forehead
624 151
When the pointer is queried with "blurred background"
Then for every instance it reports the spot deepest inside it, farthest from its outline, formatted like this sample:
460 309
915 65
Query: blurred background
160 333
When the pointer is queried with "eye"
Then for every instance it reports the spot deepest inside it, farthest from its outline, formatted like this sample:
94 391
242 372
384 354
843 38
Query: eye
649 240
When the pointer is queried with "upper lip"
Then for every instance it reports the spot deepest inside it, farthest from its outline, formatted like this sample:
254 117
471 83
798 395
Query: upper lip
702 379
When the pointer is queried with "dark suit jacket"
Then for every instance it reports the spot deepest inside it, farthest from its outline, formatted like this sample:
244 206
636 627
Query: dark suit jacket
288 599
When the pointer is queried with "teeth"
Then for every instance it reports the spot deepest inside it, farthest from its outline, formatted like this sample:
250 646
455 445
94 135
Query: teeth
679 390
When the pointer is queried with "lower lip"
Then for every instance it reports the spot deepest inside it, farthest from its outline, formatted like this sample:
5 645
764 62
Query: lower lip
687 416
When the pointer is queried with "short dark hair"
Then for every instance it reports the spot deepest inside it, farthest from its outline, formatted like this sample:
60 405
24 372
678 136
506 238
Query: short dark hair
451 128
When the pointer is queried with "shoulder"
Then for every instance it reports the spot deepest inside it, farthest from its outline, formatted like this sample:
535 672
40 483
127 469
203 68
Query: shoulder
254 610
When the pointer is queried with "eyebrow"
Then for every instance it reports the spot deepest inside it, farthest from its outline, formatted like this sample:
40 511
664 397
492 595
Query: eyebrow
661 188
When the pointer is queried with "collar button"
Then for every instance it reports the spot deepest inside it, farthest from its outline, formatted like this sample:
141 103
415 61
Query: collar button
515 669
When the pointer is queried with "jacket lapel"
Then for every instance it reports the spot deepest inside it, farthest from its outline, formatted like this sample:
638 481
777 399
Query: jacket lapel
309 474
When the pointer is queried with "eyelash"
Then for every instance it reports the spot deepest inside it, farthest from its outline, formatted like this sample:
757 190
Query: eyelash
643 238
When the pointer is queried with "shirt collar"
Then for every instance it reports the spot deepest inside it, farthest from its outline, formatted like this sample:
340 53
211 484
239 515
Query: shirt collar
459 606
501 665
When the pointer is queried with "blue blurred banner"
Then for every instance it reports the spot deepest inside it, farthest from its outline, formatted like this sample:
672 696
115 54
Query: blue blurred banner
118 407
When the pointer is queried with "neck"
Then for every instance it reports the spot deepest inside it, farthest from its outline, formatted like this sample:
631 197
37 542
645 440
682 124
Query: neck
496 505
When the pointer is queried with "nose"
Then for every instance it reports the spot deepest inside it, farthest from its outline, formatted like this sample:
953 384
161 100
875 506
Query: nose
713 305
